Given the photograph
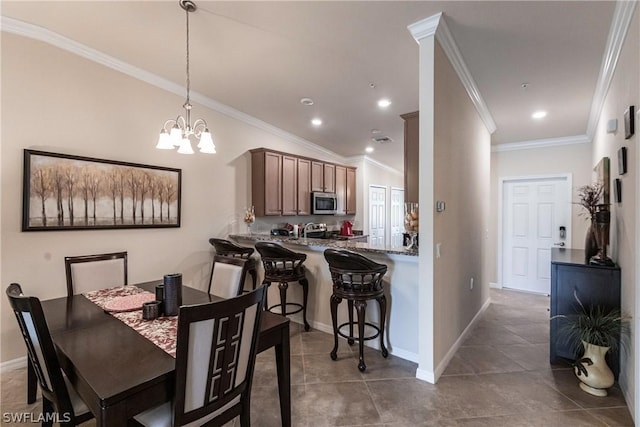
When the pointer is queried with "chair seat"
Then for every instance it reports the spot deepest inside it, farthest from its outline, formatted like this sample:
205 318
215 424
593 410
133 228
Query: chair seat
162 415
80 408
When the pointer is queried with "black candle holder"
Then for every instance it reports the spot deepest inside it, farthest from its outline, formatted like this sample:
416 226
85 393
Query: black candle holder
172 294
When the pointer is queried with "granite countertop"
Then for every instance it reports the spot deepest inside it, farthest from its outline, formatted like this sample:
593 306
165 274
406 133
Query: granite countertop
328 243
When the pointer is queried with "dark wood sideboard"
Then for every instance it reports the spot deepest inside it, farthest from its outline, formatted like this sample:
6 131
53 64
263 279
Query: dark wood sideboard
594 285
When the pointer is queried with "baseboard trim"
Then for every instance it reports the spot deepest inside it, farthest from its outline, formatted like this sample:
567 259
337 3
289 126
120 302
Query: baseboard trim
12 365
425 375
494 285
454 348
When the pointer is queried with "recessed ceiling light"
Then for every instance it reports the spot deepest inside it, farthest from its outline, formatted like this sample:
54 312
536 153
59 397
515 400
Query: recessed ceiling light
375 131
369 149
316 122
306 101
384 103
539 114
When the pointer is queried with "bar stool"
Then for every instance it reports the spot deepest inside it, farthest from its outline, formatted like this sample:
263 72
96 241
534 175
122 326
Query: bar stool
356 279
283 266
226 248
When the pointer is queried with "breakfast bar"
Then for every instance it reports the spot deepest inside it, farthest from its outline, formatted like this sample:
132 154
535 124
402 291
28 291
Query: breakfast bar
401 287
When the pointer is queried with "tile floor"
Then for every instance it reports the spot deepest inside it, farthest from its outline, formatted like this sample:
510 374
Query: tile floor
500 377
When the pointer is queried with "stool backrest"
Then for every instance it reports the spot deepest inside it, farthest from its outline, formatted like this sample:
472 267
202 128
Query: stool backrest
278 261
354 272
226 248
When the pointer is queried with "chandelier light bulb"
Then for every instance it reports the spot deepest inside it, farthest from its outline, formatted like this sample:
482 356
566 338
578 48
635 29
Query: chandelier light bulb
164 141
185 147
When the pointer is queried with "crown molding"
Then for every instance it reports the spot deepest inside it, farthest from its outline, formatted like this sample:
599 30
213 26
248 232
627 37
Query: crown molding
437 25
36 32
541 143
373 162
620 23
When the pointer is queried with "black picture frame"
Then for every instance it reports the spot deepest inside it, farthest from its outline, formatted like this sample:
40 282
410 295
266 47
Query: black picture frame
106 194
622 160
617 189
629 122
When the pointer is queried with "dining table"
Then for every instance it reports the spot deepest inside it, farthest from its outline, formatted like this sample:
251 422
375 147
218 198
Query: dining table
119 373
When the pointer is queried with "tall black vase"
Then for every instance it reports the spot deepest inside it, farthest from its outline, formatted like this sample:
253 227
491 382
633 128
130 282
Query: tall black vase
590 242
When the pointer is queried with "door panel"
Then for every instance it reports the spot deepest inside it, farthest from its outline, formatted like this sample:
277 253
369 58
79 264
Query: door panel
377 218
397 216
533 211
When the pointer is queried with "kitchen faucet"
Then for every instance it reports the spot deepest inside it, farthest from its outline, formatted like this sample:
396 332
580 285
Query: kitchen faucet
306 227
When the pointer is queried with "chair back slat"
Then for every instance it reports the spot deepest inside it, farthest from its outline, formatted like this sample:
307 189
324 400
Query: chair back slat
227 276
215 356
93 272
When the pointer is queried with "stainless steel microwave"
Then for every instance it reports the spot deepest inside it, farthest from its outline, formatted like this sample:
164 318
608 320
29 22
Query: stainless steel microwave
324 203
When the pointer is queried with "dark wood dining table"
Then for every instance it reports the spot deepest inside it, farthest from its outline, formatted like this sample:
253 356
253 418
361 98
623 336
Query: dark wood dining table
120 373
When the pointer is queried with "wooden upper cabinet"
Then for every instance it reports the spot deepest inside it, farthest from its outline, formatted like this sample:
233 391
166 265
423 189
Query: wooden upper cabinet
350 191
281 183
266 182
304 187
341 190
329 178
289 185
411 156
317 176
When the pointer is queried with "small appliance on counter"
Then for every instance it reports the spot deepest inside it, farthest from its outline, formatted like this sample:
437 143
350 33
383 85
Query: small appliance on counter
316 231
281 232
346 229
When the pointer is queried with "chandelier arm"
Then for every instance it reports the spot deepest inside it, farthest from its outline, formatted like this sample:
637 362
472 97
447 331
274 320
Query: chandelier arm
169 122
199 126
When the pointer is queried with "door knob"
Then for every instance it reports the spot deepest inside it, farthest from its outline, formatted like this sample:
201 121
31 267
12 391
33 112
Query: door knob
561 244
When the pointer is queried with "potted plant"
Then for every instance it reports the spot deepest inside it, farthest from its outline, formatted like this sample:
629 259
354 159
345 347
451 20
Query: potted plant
590 197
597 329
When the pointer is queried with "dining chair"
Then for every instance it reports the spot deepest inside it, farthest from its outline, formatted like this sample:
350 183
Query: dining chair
227 276
229 249
92 272
215 358
58 395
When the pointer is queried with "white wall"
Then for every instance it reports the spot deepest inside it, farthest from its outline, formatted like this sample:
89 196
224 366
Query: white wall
55 101
623 92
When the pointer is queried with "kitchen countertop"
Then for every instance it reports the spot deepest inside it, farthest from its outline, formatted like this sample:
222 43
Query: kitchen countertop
363 247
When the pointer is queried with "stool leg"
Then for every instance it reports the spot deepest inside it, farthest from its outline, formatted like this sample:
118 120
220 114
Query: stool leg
350 308
361 307
254 276
334 319
382 301
283 297
305 297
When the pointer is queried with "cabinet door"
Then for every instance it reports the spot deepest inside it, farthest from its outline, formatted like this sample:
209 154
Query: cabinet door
329 178
341 190
317 176
289 185
304 187
273 184
351 191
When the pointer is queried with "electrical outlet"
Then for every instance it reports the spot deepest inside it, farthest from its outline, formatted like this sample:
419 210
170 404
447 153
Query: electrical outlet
471 284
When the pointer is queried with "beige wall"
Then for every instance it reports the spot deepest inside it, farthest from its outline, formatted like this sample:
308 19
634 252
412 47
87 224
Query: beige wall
623 92
56 101
567 159
461 179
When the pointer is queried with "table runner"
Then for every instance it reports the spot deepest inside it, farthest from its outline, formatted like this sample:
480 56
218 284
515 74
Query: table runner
162 331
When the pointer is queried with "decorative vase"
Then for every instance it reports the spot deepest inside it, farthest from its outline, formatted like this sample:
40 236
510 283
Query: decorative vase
590 242
593 371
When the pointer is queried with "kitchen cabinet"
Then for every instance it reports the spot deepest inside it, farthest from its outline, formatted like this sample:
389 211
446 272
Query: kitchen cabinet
304 187
317 176
341 190
266 182
281 183
411 156
351 191
593 285
329 178
289 185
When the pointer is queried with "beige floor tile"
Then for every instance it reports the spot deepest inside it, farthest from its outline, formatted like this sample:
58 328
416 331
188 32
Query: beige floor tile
613 416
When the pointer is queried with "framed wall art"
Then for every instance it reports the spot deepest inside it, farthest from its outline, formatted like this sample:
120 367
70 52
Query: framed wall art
617 190
622 160
64 192
629 122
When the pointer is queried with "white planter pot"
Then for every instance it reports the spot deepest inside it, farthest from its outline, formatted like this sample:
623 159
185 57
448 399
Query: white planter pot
599 377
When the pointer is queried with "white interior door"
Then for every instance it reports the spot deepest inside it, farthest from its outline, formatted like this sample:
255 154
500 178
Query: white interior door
534 210
377 217
397 216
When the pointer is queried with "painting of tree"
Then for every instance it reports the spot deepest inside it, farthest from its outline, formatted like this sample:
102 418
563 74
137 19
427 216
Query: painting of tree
64 192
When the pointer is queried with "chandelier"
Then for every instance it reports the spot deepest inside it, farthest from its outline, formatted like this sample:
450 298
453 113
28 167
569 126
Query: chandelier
176 133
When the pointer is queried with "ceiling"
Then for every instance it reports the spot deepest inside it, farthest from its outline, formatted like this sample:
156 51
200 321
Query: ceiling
261 58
